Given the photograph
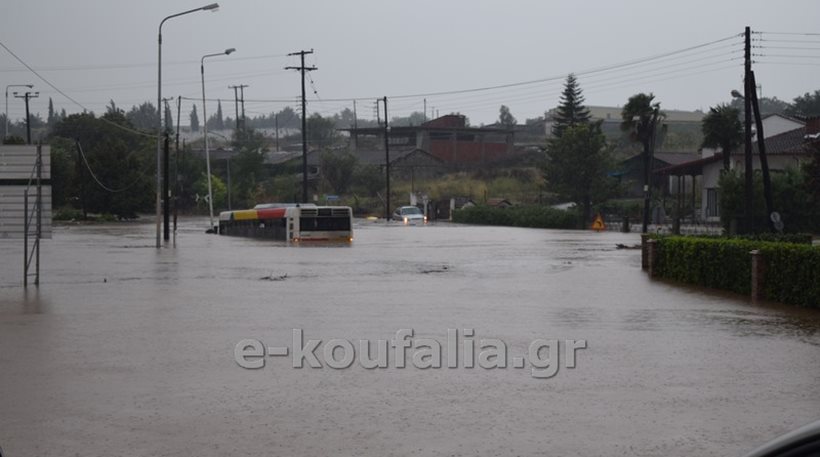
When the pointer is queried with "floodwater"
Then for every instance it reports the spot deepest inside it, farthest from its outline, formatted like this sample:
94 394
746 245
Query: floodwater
126 350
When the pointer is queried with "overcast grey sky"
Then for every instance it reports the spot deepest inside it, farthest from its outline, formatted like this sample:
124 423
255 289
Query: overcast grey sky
98 50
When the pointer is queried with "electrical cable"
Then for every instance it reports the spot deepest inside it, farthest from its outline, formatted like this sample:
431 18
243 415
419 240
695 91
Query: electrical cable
102 118
94 176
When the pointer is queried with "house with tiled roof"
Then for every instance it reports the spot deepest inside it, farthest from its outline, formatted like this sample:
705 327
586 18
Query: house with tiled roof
786 149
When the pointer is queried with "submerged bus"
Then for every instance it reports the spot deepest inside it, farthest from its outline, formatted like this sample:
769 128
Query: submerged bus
290 222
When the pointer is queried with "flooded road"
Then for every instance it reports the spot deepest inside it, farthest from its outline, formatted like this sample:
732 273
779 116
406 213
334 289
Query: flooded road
127 350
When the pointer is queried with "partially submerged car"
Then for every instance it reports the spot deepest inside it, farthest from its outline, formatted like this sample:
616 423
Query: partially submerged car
409 215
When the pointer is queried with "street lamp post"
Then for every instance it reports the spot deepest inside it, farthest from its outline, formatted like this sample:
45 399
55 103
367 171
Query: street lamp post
30 86
211 7
205 129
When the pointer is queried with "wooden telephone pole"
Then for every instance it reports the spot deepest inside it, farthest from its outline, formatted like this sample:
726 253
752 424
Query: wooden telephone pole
302 68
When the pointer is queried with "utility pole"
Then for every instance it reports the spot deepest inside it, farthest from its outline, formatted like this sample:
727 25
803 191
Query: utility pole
425 110
648 161
378 115
6 131
303 69
166 192
27 96
748 89
355 128
176 167
761 149
386 162
242 101
166 171
236 103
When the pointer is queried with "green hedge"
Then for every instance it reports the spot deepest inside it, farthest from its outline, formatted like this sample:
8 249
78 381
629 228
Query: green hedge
792 270
797 238
519 216
792 274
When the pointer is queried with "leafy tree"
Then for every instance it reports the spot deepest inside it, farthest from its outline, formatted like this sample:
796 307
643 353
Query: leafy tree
337 170
576 167
722 129
113 109
288 119
63 172
191 168
806 105
320 130
218 189
571 110
505 118
169 119
415 118
194 120
812 170
792 194
767 105
344 119
121 163
247 166
143 117
368 179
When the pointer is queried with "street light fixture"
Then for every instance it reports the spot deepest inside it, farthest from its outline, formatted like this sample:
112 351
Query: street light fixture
6 131
205 129
211 7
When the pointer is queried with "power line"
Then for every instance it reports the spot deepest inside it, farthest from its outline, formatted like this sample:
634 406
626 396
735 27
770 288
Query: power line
121 127
130 65
789 33
99 183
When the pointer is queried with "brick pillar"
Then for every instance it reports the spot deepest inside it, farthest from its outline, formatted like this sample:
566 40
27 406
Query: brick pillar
652 257
644 257
758 274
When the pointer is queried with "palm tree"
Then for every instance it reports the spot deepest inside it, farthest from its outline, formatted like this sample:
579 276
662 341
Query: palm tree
640 118
722 129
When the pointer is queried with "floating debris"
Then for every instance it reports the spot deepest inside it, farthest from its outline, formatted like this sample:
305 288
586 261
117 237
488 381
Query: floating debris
443 269
271 277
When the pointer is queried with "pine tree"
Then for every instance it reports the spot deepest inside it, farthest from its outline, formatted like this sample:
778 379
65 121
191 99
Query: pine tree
220 122
571 110
51 119
194 120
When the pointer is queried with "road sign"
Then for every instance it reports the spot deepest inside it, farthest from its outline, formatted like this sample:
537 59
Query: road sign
598 223
16 165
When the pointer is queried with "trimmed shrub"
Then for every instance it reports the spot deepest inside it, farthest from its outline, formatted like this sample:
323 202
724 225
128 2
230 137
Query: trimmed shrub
797 238
792 273
520 216
710 262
